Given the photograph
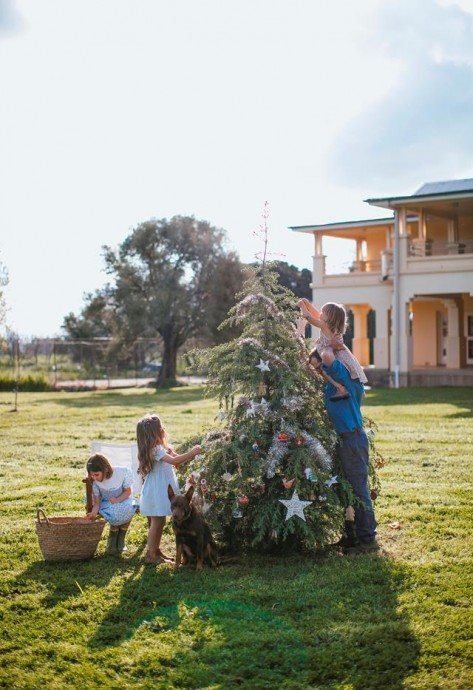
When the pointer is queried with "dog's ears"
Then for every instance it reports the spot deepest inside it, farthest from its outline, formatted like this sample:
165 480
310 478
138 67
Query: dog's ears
190 492
171 493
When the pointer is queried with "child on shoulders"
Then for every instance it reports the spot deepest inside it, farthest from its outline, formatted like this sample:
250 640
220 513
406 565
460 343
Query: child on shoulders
331 320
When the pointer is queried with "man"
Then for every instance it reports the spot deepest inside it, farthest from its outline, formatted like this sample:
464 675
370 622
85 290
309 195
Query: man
353 448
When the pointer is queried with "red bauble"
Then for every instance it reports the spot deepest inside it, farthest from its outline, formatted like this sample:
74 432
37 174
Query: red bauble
243 500
283 437
299 441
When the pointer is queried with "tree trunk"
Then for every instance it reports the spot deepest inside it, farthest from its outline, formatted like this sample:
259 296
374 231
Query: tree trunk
167 373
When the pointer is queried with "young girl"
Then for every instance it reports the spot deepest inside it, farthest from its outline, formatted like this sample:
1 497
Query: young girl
111 490
332 323
157 462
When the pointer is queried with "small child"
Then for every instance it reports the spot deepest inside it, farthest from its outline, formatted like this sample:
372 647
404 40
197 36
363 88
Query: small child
157 461
111 490
332 322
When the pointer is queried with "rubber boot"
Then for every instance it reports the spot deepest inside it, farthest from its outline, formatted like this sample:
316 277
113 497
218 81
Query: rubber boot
121 546
112 541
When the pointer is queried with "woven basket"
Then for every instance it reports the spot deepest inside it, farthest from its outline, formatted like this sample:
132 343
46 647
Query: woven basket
67 538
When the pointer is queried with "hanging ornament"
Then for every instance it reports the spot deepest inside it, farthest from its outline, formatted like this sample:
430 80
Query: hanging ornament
251 411
330 482
287 483
322 498
312 495
237 513
274 534
263 366
194 477
262 389
350 514
205 507
243 438
221 415
295 506
226 476
283 437
243 501
264 406
203 485
309 473
255 447
299 441
374 493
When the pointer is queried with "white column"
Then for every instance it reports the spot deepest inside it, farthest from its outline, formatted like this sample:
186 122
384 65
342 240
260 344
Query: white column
453 337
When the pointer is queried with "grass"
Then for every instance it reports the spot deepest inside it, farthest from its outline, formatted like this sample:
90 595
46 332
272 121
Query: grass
400 619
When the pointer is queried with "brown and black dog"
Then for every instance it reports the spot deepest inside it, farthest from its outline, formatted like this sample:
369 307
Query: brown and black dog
193 538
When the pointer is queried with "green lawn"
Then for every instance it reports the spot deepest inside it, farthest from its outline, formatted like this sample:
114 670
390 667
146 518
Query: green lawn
400 619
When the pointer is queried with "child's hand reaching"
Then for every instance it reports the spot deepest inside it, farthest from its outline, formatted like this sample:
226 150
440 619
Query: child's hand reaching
91 516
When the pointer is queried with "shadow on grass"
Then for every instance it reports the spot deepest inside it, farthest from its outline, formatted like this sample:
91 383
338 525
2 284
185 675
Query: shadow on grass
110 398
65 579
329 622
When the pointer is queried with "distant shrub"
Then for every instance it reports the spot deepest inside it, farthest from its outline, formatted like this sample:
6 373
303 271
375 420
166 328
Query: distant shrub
25 384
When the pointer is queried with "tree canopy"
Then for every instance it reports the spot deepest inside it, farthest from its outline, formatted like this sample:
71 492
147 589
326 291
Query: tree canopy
173 278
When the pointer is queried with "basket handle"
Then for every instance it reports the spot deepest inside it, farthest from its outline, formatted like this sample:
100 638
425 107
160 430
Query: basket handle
40 510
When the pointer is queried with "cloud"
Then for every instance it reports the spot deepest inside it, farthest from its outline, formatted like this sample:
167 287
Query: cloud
423 128
9 18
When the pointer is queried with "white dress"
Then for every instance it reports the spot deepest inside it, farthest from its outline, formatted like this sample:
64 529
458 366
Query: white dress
154 500
113 487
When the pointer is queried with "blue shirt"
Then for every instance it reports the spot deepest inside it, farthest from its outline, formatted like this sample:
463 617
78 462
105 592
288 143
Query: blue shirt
345 415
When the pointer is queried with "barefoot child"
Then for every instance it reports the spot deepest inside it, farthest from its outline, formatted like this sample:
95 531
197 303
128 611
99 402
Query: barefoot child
157 463
332 322
111 490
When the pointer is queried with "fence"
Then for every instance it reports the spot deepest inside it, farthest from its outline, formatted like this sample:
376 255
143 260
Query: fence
93 363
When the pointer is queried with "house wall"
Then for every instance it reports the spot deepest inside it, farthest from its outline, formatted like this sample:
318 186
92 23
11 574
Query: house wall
425 332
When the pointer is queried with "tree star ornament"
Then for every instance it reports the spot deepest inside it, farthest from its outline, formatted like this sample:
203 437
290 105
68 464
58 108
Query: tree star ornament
263 366
330 482
251 411
295 506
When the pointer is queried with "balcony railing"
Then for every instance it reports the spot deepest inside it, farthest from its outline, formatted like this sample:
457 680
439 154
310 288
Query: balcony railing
434 248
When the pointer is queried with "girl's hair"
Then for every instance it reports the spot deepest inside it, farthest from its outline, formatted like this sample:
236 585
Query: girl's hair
335 317
99 463
149 434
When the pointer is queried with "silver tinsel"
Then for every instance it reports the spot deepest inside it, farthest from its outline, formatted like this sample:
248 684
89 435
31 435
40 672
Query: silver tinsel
278 450
253 300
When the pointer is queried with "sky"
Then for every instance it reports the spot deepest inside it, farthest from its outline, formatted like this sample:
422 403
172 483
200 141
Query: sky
113 112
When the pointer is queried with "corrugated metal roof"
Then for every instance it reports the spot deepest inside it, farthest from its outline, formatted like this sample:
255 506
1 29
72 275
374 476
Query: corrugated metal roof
445 187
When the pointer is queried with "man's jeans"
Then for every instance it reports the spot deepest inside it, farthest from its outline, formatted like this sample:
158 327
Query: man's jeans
353 452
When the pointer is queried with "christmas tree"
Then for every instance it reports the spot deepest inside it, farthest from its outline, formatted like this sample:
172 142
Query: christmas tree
269 476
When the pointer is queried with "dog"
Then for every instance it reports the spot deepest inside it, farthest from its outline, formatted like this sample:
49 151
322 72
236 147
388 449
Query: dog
193 537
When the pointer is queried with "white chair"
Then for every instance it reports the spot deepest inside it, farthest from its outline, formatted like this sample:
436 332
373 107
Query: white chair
119 454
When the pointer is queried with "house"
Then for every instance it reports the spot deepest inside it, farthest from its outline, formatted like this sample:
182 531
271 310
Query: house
413 274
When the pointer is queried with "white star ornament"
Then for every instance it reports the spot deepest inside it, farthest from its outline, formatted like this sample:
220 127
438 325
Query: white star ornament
295 506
